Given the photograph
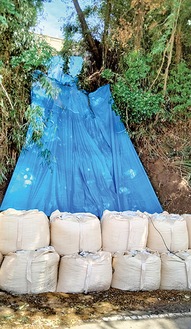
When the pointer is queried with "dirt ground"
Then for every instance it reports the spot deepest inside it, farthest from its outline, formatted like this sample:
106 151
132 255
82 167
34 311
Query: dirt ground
52 310
171 186
162 157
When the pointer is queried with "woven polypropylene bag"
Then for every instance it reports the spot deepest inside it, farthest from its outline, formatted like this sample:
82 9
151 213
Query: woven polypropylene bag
136 270
187 217
73 233
167 232
30 271
23 230
176 271
123 231
86 272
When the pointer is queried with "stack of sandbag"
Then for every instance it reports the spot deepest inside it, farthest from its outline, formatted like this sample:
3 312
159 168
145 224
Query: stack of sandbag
30 265
176 270
123 231
73 233
77 238
85 272
23 230
136 270
167 232
31 271
187 217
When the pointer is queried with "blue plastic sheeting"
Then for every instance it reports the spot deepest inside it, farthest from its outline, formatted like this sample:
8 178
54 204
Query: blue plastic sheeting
86 161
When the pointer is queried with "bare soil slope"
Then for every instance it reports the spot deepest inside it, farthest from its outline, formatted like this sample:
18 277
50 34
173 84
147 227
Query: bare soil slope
163 155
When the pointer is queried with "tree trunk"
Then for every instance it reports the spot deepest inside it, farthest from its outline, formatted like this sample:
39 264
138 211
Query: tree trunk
139 20
178 43
92 47
106 32
171 45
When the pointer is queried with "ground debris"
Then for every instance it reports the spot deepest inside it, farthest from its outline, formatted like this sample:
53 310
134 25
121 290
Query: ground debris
60 309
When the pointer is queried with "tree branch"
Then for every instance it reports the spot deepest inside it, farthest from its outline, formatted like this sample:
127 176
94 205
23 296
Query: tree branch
171 42
92 47
106 32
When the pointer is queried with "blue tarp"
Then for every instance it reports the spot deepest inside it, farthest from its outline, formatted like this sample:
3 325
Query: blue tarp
85 161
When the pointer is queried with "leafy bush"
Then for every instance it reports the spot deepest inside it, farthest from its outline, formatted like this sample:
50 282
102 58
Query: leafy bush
133 100
20 54
178 89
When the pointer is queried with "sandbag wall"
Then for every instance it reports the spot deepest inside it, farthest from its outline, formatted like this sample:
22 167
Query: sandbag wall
78 253
149 251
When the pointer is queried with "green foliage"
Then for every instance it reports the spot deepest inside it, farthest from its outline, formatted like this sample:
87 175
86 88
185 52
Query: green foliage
136 105
134 101
34 57
136 69
20 54
6 7
34 116
46 83
179 90
68 45
108 75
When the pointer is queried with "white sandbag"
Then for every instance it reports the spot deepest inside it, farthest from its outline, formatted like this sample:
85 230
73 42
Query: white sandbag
136 270
73 233
20 229
187 217
85 272
123 231
167 232
30 271
176 271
